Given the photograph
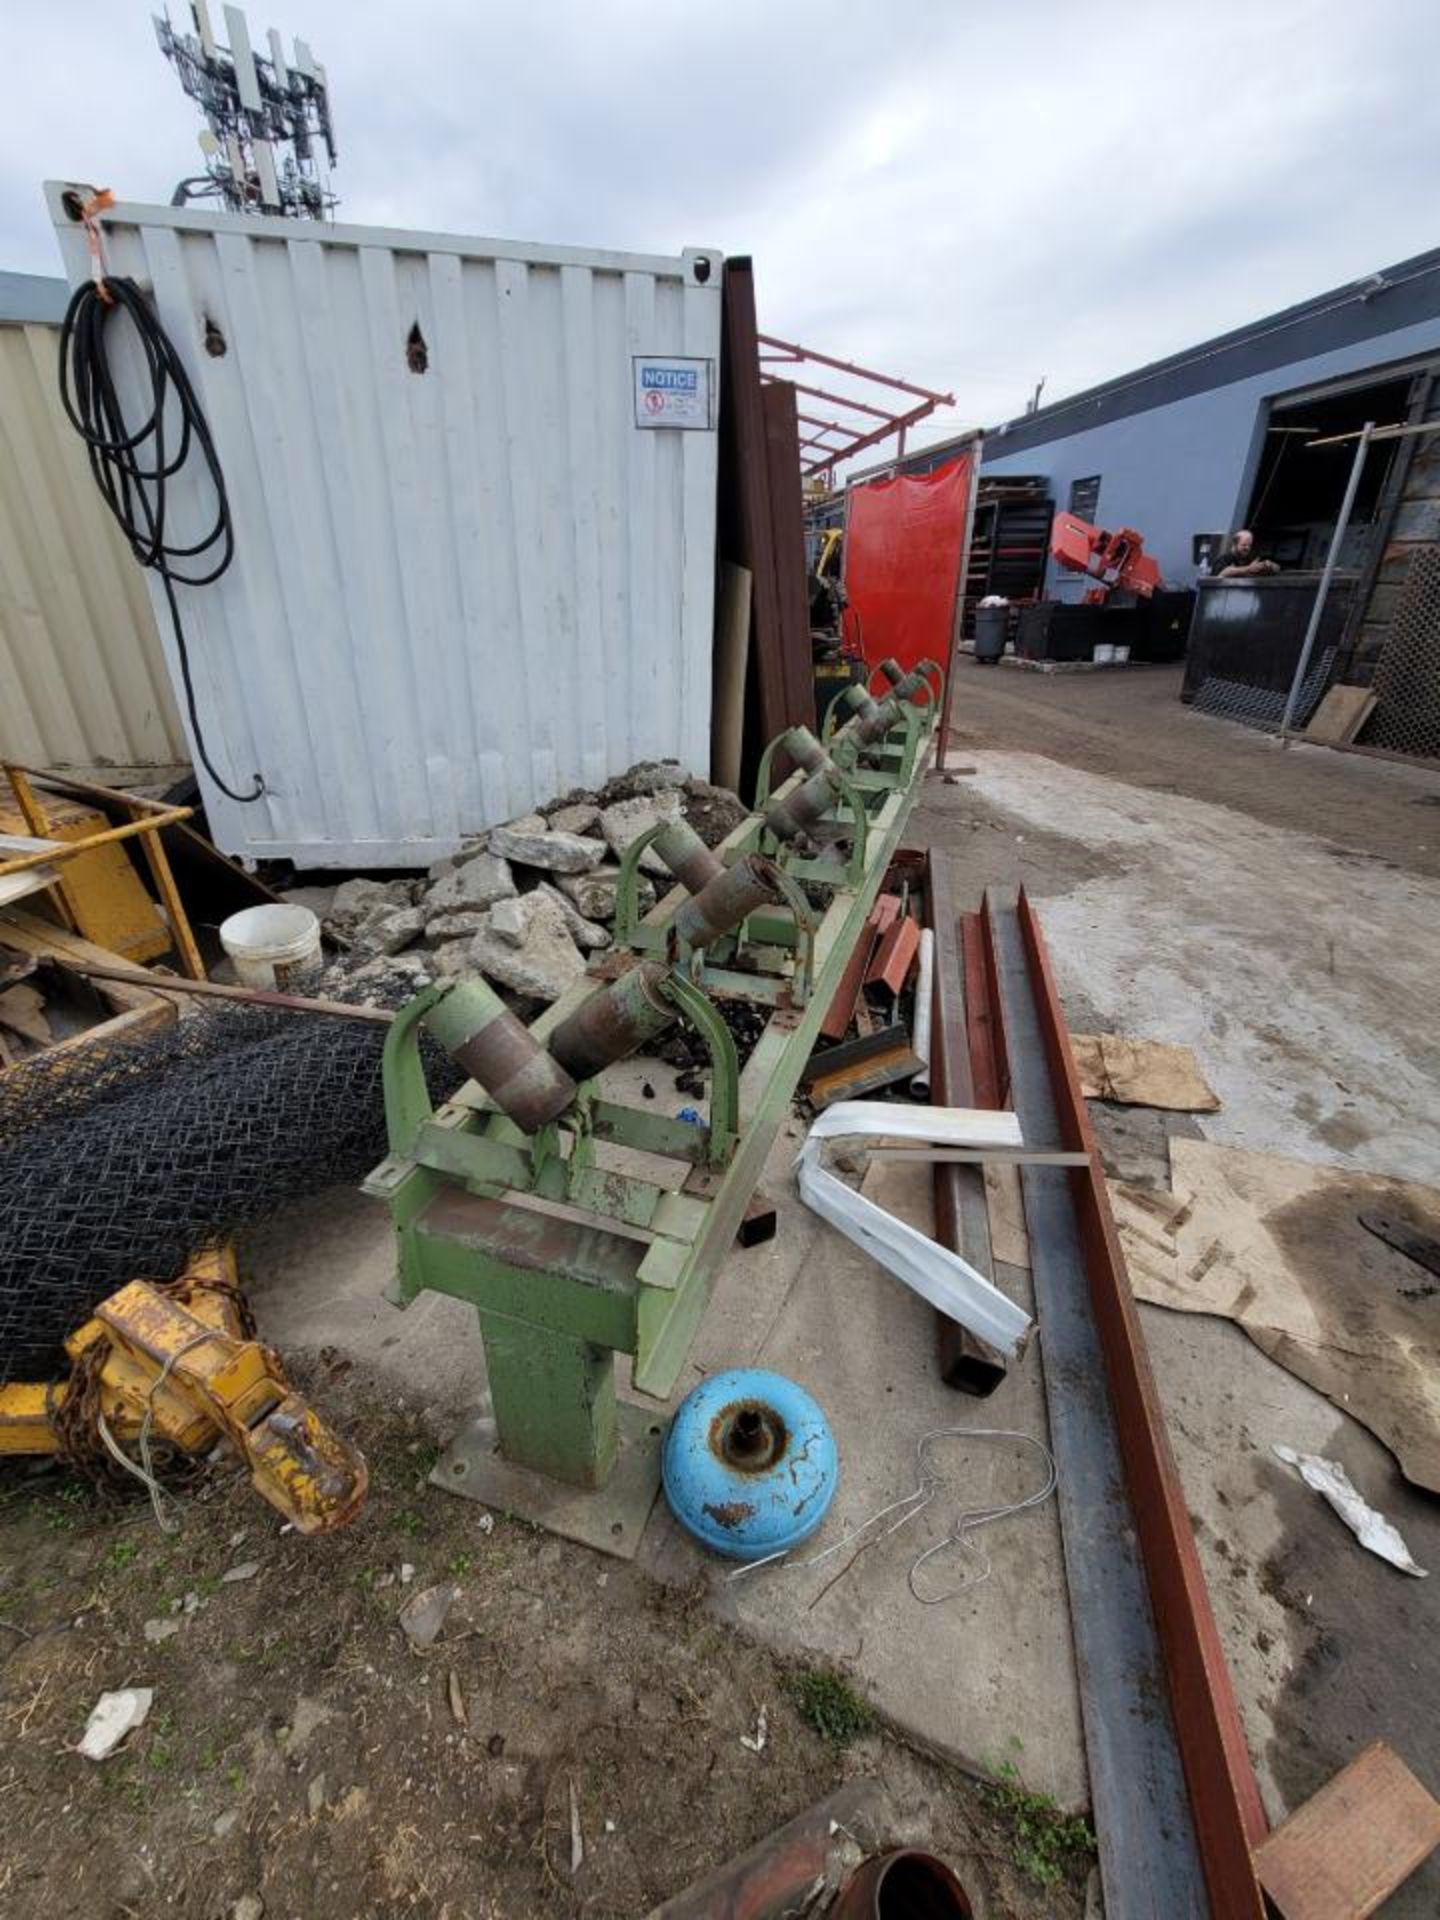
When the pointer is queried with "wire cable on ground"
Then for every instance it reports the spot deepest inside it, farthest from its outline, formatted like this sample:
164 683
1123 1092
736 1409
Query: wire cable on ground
133 465
930 1484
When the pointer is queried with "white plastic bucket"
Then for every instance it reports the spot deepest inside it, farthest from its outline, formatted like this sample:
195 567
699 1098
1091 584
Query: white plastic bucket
273 946
1104 654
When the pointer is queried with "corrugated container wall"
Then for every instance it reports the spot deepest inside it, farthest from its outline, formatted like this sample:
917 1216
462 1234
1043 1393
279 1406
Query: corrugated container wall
465 579
83 682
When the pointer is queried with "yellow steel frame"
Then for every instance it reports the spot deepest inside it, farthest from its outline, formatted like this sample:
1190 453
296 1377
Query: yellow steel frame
147 817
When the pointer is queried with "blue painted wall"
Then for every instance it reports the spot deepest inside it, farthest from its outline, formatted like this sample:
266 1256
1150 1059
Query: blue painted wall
1186 467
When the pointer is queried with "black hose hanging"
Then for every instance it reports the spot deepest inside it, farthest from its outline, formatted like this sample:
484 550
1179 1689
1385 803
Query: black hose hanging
135 491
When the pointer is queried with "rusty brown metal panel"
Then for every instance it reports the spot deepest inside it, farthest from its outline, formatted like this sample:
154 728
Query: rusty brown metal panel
1225 1798
895 955
962 1216
982 1015
787 515
747 521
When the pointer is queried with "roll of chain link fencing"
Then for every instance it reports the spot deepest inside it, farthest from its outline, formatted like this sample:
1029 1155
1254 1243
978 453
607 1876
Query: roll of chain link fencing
119 1162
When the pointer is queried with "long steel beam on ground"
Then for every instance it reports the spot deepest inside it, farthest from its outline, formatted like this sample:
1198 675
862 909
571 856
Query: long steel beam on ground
1150 1861
1224 1796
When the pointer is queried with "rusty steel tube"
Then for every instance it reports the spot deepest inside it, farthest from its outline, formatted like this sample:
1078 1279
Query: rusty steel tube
480 1034
753 882
686 855
856 701
614 1022
804 749
801 809
879 721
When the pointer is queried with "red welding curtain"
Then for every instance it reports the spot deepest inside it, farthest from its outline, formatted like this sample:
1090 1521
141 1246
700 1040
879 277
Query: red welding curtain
902 562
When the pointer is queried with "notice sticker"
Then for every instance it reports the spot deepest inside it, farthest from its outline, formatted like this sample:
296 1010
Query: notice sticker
673 393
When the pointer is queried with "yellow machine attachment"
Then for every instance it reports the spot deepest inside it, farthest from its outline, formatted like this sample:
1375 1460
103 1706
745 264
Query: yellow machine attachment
177 1367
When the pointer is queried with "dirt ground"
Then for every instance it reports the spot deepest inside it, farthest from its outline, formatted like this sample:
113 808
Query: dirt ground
300 1754
1130 724
300 1759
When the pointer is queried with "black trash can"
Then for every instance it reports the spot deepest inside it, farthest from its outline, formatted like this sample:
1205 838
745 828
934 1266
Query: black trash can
990 628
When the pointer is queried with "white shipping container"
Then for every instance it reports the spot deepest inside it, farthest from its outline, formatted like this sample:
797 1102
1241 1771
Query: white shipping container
472 568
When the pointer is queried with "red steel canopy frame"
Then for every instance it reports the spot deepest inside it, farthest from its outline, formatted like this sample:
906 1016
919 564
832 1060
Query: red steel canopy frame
832 436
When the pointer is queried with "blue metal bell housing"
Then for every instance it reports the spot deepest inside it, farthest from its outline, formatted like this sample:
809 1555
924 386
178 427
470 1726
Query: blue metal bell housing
749 1465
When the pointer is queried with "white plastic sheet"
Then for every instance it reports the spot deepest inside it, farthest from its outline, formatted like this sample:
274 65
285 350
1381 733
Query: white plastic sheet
943 1278
1370 1528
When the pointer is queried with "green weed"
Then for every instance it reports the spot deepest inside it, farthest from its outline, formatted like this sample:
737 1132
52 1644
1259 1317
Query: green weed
1044 1842
828 1703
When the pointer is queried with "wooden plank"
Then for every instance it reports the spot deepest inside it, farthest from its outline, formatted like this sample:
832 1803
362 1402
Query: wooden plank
727 700
1340 716
19 886
1343 1853
137 1010
22 1009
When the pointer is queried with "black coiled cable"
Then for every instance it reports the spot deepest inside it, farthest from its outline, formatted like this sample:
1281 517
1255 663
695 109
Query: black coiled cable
132 467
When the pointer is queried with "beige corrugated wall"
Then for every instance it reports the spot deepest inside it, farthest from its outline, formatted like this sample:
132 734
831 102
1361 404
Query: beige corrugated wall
82 678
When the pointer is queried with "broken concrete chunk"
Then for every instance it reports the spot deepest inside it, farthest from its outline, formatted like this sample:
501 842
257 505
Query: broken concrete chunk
158 1630
553 852
454 926
413 969
452 960
508 919
360 900
249 1906
594 893
473 887
545 962
582 818
522 823
112 1718
388 931
585 933
424 1615
438 869
628 819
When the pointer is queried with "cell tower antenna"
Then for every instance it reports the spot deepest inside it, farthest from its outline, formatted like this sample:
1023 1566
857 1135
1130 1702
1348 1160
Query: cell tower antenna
269 141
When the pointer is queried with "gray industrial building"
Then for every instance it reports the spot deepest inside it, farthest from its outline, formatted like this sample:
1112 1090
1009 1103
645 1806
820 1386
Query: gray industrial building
1207 439
1225 435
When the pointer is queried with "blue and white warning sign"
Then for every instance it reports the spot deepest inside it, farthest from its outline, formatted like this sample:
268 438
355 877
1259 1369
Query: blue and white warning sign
673 393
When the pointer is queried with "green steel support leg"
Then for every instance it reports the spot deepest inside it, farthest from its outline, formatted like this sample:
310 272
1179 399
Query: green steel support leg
554 1398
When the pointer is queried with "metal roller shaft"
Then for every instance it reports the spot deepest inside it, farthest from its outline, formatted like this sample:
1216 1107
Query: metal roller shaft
892 670
752 883
857 702
614 1022
686 855
805 806
480 1033
804 749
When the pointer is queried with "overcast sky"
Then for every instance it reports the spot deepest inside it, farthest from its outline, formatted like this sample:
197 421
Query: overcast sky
970 195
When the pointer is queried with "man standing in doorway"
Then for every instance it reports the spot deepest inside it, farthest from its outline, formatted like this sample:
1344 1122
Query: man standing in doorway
1240 560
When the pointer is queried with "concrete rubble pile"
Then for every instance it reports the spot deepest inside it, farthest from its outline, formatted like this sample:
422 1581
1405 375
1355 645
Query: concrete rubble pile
525 903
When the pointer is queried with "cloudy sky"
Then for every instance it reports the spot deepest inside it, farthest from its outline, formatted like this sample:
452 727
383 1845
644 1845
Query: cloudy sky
973 194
